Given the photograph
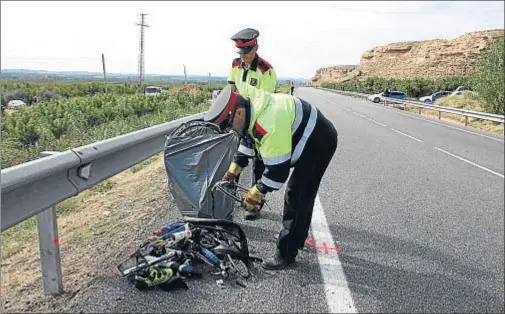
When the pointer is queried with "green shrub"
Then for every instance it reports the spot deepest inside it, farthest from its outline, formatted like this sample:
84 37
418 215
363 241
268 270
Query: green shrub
489 78
61 123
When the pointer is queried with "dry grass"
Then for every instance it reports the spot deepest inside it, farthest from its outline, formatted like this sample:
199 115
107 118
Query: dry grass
188 89
95 228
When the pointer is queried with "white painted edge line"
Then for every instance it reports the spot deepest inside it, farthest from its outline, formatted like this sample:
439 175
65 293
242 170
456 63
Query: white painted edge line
434 122
338 295
381 124
469 162
415 139
359 114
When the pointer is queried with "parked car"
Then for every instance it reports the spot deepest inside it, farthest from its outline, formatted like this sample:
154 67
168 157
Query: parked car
152 91
459 90
392 94
15 104
434 97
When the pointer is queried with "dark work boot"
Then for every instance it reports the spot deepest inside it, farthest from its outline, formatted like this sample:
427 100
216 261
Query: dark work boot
277 262
251 214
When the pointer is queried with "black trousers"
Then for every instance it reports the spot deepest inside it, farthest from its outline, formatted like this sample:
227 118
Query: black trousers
302 186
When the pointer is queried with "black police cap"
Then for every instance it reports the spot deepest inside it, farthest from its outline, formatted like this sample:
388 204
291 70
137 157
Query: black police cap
245 40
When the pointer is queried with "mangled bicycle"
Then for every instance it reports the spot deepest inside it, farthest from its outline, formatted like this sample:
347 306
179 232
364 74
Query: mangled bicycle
196 156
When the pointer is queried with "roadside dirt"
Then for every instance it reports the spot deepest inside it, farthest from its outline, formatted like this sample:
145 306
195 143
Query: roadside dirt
95 230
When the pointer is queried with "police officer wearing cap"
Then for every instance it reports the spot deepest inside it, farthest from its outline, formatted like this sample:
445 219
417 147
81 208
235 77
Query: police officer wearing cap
288 133
250 70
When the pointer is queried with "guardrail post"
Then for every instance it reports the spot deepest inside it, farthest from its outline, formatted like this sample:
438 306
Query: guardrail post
439 115
49 248
404 107
419 110
466 120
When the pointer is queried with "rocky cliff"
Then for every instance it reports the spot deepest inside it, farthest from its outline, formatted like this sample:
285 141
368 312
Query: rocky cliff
432 59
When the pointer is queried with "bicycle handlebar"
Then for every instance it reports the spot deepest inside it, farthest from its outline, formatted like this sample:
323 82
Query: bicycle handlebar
220 185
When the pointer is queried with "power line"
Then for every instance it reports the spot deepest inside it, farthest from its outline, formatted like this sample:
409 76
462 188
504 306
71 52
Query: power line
141 53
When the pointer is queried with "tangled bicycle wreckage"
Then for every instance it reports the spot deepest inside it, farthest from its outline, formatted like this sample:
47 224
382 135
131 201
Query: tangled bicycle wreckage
196 156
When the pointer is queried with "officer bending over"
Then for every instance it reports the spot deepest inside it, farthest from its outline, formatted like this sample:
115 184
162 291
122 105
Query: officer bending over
288 133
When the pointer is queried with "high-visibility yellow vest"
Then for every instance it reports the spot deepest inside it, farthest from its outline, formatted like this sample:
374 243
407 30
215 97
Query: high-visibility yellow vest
260 75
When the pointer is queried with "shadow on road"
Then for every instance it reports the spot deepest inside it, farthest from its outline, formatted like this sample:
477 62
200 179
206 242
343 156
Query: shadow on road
405 276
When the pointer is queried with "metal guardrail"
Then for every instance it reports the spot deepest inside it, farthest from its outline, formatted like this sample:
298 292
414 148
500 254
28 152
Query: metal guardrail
463 112
35 187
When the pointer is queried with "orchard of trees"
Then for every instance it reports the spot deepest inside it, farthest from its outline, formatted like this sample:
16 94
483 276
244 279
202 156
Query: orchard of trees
82 113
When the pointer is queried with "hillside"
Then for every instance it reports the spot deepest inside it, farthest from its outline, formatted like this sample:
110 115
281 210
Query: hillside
430 59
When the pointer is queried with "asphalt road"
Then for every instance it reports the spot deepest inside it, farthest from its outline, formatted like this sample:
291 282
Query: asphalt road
415 208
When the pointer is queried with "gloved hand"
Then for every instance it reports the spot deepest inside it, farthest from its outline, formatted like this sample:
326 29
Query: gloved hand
253 199
232 172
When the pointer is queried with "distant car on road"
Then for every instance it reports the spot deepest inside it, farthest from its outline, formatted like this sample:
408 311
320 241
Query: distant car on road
434 97
392 94
215 93
152 91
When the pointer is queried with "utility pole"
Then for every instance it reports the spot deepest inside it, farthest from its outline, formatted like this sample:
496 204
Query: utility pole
185 76
209 80
104 73
141 54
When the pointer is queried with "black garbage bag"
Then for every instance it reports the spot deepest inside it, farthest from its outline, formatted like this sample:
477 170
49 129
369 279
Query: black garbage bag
197 155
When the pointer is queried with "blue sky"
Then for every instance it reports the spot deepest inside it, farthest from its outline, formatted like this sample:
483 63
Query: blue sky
296 37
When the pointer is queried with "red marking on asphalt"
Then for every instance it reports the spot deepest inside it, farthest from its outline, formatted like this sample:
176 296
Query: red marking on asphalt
133 248
336 249
310 242
56 241
325 247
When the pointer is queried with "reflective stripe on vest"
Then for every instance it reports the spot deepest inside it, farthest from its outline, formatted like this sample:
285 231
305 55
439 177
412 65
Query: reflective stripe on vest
270 161
271 183
298 115
246 150
309 127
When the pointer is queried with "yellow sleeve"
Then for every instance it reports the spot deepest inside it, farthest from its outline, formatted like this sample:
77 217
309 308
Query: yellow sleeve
231 76
268 81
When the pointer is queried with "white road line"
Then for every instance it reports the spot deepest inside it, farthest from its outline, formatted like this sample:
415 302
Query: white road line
338 295
359 114
470 162
376 122
416 139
